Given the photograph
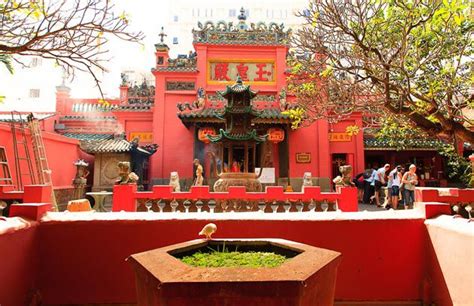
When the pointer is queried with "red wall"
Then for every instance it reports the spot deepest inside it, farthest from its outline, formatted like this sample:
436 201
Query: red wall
61 152
84 262
18 266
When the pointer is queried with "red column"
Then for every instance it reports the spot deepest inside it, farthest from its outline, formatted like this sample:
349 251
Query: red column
124 198
324 163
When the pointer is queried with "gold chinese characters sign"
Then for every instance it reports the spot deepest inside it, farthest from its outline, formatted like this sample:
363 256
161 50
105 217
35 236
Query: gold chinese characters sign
251 71
303 158
333 137
143 137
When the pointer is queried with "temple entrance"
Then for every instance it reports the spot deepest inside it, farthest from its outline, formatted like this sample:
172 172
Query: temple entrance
235 156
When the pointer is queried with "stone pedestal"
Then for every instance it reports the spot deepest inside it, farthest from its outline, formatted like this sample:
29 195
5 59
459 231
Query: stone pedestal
307 278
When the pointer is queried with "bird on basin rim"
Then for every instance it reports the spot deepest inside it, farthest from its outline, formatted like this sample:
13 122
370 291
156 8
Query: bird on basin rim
208 230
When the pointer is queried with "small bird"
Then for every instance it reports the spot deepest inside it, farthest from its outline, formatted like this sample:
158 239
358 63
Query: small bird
208 230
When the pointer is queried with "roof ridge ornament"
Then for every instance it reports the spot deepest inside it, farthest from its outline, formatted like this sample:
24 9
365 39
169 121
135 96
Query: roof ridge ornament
256 34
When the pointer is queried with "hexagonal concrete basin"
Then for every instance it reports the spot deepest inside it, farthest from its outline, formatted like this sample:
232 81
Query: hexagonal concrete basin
308 277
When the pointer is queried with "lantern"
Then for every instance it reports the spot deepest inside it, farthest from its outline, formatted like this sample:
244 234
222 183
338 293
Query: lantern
204 131
276 135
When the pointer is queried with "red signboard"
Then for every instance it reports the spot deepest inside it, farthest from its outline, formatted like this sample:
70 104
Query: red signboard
248 70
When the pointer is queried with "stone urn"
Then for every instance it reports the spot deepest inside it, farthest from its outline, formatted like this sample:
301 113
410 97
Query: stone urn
247 179
307 277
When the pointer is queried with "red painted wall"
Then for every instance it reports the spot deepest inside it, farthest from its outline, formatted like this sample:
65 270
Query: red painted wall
452 243
19 266
61 152
84 262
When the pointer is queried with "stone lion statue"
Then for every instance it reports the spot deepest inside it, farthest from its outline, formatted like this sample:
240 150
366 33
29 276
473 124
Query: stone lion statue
125 176
344 180
174 181
307 180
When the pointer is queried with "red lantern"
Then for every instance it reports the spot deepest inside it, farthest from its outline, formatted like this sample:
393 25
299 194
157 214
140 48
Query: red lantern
276 135
203 132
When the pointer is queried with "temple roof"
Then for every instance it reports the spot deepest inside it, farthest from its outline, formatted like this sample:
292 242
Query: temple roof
106 146
7 116
250 136
237 87
226 33
86 136
214 114
408 144
92 108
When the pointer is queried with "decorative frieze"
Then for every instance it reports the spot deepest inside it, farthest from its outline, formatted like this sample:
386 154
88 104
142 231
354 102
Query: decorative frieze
179 85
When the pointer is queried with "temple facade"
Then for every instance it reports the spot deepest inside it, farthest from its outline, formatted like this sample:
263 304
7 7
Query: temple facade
183 106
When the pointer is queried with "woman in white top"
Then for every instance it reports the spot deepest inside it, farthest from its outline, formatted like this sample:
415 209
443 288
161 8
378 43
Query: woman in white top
396 179
409 181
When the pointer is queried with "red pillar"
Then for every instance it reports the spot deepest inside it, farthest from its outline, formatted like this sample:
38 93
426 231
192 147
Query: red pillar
124 198
324 162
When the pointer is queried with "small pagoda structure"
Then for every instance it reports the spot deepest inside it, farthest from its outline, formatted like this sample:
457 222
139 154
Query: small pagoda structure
238 135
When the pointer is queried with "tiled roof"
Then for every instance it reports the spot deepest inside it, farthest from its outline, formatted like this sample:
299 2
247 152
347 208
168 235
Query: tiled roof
88 118
84 136
94 108
7 117
106 146
267 113
177 69
407 144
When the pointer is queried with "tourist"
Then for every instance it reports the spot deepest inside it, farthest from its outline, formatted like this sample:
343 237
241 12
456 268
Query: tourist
359 181
396 178
409 181
388 194
369 176
379 182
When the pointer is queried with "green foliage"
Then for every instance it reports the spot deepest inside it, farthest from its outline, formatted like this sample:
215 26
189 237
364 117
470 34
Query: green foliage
459 168
401 135
415 56
234 259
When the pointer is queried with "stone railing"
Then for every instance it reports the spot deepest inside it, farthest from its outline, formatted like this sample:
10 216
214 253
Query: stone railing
200 199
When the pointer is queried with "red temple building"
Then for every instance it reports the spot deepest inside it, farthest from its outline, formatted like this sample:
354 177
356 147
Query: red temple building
183 106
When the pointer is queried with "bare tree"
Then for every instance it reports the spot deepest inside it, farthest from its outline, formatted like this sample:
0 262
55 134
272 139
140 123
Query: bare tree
73 33
410 58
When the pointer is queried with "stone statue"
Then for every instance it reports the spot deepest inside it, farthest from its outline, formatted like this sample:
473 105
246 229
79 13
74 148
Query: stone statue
80 180
346 179
307 180
124 78
201 96
174 181
199 169
125 176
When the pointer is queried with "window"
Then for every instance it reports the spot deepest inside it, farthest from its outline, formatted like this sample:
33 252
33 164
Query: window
175 18
232 13
34 93
160 60
175 40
